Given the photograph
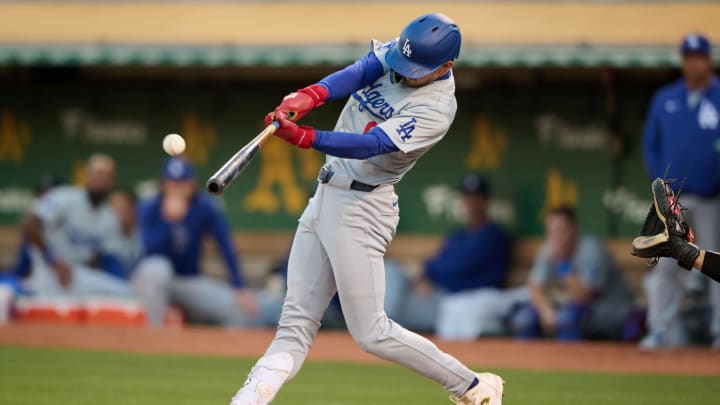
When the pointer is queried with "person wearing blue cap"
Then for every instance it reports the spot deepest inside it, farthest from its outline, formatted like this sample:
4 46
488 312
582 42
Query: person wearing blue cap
576 289
681 140
172 227
400 103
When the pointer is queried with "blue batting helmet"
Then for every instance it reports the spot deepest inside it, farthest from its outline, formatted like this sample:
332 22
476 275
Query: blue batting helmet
424 45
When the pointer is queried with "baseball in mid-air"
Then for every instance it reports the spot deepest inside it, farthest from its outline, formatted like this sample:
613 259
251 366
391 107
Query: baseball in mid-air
173 144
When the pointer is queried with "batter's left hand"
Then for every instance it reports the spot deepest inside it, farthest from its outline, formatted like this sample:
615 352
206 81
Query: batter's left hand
245 299
301 136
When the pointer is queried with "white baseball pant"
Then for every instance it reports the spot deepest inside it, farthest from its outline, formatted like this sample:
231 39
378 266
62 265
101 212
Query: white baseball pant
339 246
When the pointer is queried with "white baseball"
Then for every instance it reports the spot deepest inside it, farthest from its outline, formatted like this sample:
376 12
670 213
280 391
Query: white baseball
173 144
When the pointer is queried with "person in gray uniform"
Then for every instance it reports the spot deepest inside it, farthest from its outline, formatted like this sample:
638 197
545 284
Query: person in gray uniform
401 103
576 289
72 231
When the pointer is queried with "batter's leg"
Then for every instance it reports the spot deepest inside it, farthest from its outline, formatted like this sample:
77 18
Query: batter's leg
356 253
311 286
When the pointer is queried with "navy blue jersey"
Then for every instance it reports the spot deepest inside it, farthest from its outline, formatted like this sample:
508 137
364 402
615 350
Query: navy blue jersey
471 259
683 129
181 242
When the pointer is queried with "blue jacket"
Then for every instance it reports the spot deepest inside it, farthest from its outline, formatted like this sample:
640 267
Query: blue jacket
471 259
181 243
686 138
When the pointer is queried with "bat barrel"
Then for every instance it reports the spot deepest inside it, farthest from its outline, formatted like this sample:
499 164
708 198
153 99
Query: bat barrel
227 173
217 183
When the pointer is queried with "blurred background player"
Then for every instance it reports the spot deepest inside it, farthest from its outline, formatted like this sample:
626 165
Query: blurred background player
682 131
402 103
576 290
128 246
172 227
22 266
458 295
73 231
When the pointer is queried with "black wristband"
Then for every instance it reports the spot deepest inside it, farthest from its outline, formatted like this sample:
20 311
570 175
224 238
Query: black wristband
711 265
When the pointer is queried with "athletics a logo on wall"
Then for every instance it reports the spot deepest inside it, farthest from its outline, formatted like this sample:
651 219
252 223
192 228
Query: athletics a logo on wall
406 50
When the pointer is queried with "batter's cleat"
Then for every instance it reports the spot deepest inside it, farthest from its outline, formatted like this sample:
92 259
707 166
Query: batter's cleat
488 391
253 393
264 380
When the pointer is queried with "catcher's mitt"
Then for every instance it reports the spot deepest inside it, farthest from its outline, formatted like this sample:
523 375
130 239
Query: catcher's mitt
665 232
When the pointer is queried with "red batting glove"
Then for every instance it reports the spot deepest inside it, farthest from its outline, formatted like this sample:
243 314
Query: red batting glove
301 136
296 105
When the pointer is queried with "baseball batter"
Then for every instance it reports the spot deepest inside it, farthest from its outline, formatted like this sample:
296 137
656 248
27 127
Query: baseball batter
402 102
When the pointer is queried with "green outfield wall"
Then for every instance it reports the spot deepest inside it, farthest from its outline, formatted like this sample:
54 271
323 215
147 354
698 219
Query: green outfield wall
543 139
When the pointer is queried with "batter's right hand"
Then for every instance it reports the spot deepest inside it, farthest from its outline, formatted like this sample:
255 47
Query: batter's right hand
63 273
296 105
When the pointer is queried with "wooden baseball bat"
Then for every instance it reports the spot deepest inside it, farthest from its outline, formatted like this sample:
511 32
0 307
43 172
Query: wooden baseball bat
236 164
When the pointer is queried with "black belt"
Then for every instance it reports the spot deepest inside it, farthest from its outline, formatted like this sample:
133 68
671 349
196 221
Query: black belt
326 174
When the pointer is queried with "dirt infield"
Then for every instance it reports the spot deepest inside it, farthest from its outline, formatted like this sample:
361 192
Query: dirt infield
338 346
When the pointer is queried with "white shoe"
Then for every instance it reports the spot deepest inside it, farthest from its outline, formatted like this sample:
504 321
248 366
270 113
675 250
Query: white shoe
488 391
253 393
265 380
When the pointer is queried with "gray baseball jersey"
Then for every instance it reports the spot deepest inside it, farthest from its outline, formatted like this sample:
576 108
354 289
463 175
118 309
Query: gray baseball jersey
75 230
415 119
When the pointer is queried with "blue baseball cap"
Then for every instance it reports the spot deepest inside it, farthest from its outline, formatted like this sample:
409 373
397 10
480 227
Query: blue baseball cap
424 45
178 169
474 183
695 43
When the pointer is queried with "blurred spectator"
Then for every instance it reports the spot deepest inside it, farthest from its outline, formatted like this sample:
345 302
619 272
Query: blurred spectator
457 295
682 130
23 263
172 227
576 290
128 246
72 230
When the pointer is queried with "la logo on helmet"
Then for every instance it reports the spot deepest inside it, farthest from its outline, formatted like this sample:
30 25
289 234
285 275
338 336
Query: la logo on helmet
406 48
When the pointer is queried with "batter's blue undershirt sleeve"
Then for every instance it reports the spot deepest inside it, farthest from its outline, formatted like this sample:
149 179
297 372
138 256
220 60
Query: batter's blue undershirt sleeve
354 77
221 233
354 146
